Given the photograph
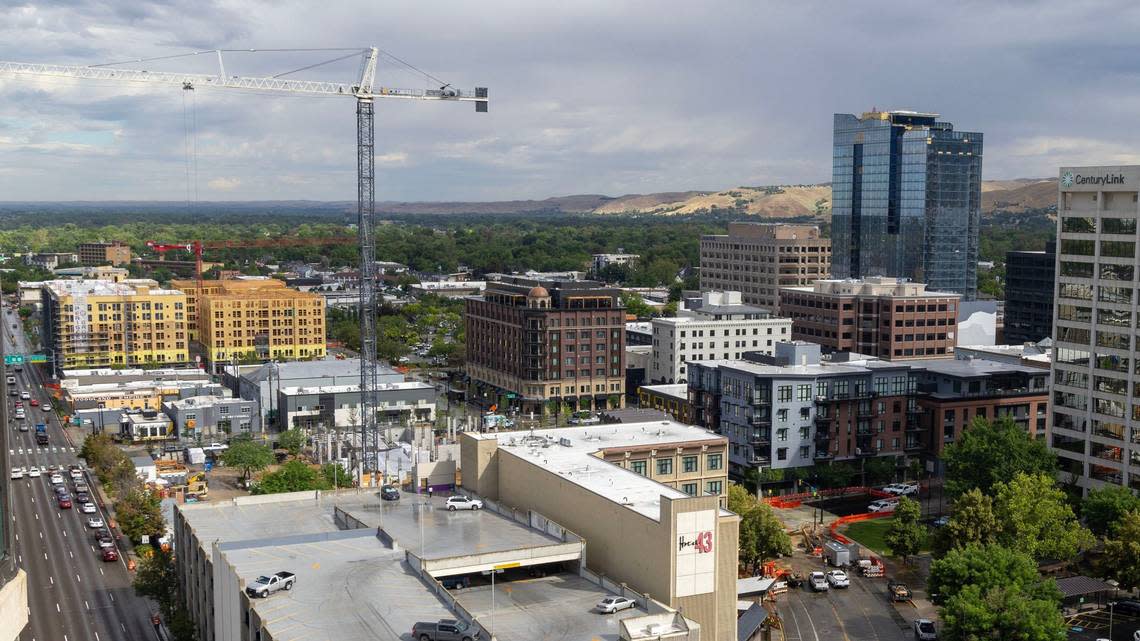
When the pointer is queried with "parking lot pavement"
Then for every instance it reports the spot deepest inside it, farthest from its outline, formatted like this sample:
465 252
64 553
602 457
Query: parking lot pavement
860 612
1093 625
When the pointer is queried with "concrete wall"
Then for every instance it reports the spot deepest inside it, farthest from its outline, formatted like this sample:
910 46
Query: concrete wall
609 528
14 607
479 465
228 606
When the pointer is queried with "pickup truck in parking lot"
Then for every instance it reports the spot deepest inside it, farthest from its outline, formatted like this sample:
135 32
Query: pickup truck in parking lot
263 586
444 630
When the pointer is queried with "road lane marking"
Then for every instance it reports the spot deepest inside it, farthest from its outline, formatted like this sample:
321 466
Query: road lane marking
112 597
123 627
45 556
96 636
87 606
57 607
101 572
41 534
77 579
814 632
71 554
65 532
52 579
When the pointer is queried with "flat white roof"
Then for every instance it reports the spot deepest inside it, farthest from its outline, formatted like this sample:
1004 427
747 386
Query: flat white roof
569 453
342 389
106 288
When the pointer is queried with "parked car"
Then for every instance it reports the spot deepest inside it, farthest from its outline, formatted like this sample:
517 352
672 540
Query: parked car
444 630
818 582
924 630
389 493
456 582
612 604
902 489
898 591
263 586
94 522
110 554
883 505
463 503
838 579
584 418
941 521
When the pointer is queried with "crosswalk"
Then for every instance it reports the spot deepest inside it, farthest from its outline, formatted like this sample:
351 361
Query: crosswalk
44 450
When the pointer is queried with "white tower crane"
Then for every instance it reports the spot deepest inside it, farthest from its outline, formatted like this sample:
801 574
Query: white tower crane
365 93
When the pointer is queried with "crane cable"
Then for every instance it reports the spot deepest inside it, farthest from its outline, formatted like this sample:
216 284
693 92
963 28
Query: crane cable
190 144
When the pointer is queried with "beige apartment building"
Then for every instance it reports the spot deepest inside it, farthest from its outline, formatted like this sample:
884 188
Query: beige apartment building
113 253
258 318
92 323
757 259
647 497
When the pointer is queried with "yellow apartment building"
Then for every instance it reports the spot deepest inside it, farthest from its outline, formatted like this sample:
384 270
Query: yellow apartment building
258 318
94 323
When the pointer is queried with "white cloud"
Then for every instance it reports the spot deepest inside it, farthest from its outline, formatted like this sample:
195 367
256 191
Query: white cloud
224 184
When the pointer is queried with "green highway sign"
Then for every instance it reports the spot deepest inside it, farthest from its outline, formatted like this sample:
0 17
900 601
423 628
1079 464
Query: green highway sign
37 358
13 359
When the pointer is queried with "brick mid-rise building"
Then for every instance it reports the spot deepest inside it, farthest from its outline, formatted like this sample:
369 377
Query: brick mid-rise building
541 345
883 317
113 253
757 259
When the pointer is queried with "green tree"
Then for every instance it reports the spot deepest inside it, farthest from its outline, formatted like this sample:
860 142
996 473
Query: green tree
1103 507
248 456
293 476
336 476
1122 551
766 536
139 513
988 453
740 500
636 305
879 470
292 440
972 522
993 592
906 536
1035 518
157 579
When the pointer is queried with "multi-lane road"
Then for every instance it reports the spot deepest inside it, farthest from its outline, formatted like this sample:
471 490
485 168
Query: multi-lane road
73 595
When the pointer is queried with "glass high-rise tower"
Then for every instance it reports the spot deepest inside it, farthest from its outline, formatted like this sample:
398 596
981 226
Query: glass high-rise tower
906 200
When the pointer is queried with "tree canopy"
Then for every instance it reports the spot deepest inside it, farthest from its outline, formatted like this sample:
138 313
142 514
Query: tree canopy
1122 551
293 476
1103 507
905 535
762 536
247 456
1034 517
972 522
988 453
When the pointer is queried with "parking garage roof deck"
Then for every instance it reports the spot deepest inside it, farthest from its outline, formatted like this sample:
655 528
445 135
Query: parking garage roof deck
573 453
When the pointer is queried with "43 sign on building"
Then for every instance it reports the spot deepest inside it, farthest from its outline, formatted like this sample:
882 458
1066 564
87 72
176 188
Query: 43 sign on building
696 558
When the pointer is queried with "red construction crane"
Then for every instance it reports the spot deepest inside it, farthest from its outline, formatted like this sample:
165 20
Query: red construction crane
196 247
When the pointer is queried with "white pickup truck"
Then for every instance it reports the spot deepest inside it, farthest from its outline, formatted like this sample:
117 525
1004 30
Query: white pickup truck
266 585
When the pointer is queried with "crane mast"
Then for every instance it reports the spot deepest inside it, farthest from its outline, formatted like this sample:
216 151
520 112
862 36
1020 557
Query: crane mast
365 93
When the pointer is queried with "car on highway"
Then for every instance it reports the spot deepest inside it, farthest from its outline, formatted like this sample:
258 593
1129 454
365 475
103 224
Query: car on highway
56 479
17 473
818 582
46 407
18 405
104 538
461 502
60 490
924 630
82 497
80 486
110 554
20 415
23 427
612 604
25 396
883 505
94 522
838 579
34 472
88 508
64 502
34 403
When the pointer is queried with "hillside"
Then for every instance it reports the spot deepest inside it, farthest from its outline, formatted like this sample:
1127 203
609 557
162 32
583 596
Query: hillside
1018 195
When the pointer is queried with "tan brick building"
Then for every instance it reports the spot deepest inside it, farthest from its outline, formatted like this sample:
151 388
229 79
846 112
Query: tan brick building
884 317
259 318
757 259
113 253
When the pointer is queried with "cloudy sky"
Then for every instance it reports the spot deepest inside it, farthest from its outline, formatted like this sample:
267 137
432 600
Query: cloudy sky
589 96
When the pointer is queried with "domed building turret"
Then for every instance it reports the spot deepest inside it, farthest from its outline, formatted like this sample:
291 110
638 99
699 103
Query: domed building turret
538 298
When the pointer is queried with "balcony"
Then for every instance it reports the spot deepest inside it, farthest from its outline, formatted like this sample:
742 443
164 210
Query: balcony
757 459
823 455
868 412
761 400
822 436
761 421
760 440
914 427
822 420
912 446
865 451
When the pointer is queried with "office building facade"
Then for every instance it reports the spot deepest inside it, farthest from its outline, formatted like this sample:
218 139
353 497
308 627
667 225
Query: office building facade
881 317
757 259
1029 283
1096 397
539 345
95 254
906 199
721 328
90 323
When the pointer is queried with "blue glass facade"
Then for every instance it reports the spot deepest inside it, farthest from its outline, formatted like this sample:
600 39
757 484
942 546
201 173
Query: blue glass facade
906 200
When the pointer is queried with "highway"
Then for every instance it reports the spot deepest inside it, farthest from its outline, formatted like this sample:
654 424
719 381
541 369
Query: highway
73 595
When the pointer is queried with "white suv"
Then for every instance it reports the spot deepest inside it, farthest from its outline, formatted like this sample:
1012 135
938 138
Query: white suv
883 505
902 489
463 503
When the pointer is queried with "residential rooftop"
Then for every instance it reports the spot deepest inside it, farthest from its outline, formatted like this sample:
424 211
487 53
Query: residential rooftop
675 390
108 288
345 389
573 453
